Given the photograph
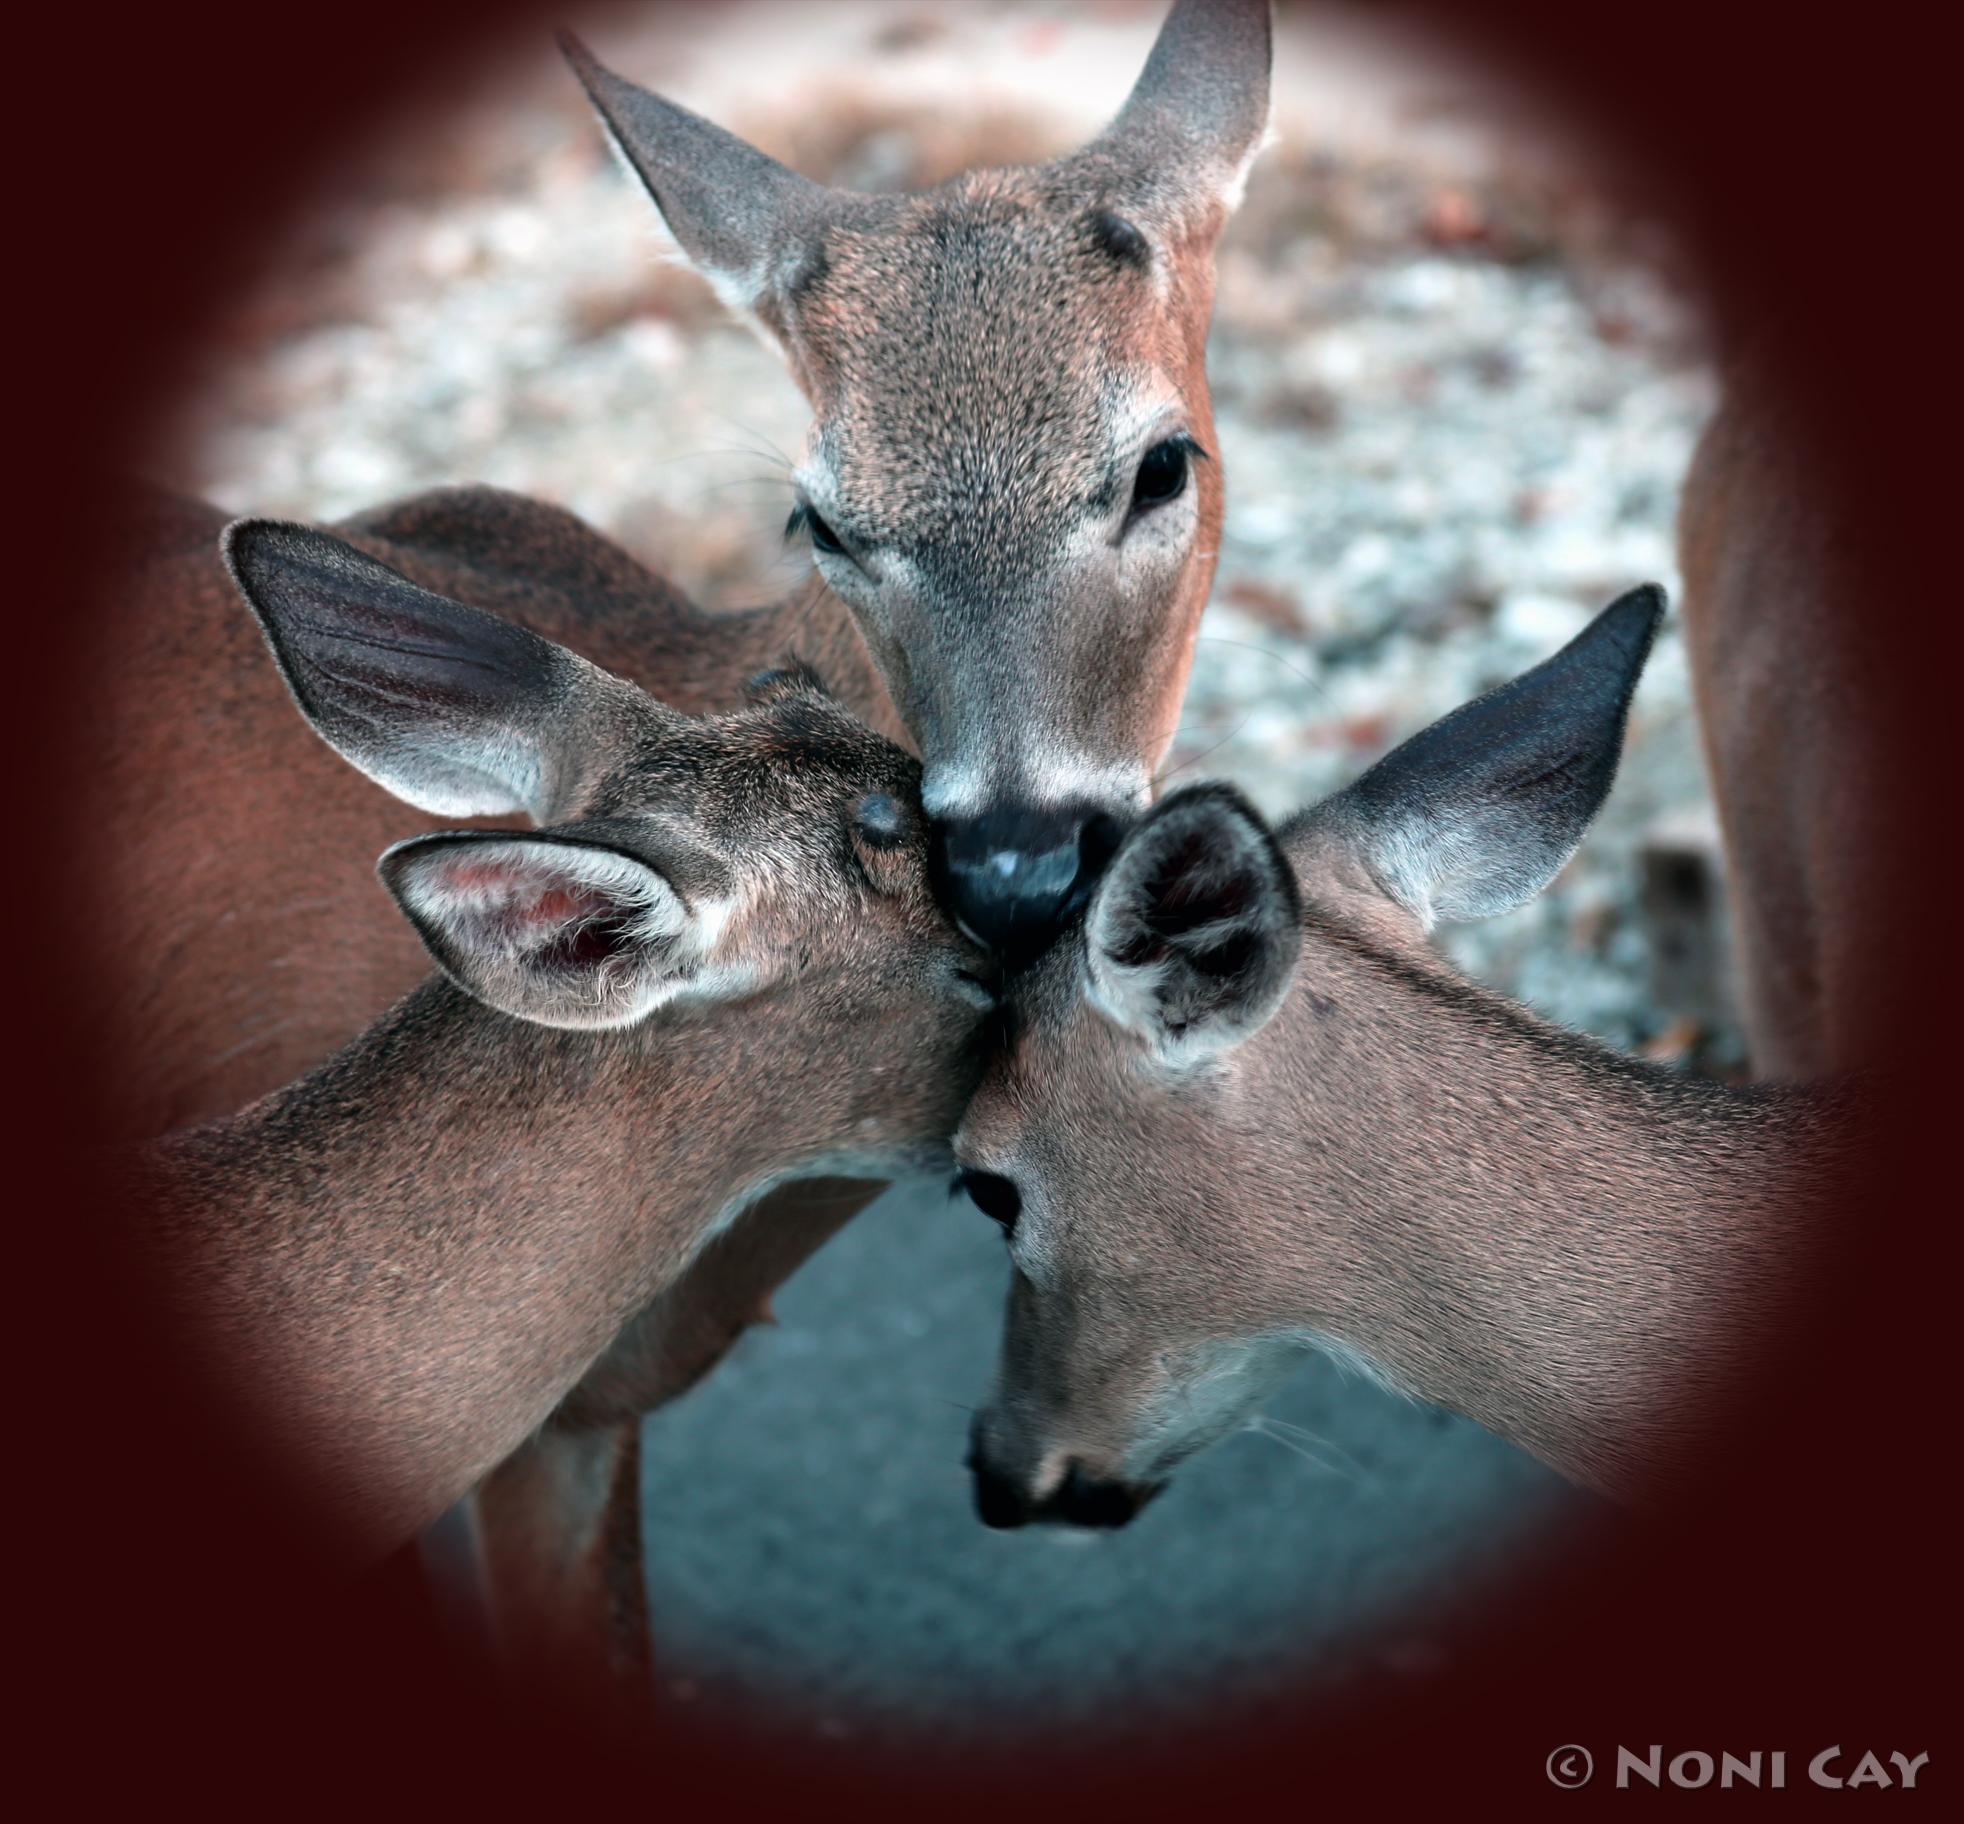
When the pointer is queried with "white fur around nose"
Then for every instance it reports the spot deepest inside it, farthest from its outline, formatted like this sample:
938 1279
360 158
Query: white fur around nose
1049 775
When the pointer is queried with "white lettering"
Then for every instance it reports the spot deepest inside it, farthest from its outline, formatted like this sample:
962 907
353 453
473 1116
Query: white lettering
1692 1757
1908 1768
1731 1767
1651 1769
1868 1772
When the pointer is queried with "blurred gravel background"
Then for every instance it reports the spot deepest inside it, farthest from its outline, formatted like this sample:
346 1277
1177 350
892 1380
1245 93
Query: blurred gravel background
1456 390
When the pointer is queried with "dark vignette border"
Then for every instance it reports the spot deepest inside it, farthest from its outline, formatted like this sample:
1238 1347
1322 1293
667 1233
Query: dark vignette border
170 1633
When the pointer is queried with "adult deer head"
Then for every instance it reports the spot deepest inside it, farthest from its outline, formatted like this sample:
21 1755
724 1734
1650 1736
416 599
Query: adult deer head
1011 478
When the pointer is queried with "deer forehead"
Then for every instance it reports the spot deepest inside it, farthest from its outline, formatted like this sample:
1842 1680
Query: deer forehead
792 770
1071 1095
960 351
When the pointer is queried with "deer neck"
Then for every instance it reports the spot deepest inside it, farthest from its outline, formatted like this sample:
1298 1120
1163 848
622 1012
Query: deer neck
1569 1247
469 1209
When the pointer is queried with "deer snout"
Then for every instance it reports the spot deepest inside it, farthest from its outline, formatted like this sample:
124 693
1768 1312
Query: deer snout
1005 1499
1016 875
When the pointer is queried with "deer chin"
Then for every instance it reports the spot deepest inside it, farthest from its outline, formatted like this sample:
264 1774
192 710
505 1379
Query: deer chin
1214 1391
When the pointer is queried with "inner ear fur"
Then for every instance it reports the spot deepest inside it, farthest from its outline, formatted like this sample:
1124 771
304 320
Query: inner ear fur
1193 934
453 710
555 928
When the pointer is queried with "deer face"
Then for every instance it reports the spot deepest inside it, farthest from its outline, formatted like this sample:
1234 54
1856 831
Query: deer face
1191 1134
1136 1331
1011 478
768 868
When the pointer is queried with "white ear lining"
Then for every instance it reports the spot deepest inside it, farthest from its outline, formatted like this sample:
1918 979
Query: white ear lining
446 893
449 778
1236 187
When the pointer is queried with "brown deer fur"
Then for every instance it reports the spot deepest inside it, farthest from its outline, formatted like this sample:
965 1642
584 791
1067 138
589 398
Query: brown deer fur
236 871
1248 1113
1788 669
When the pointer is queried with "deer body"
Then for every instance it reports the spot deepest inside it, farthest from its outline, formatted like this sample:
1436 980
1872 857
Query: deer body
1787 670
422 1246
1249 1112
238 850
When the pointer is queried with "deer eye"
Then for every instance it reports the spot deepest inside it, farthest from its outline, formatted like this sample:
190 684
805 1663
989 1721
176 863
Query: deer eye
880 821
996 1197
1163 472
804 519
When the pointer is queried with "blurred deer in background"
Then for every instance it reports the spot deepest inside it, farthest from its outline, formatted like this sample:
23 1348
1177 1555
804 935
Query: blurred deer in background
244 939
1011 479
1248 1113
1788 680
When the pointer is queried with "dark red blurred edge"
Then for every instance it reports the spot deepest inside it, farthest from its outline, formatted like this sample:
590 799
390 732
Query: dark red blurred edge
173 1638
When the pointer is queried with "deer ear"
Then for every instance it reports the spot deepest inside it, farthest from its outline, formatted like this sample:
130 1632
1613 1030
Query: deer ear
1476 814
1198 113
554 929
450 708
1192 936
742 218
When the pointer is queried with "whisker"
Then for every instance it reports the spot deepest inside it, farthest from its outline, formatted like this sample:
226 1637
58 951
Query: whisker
1160 778
706 452
1311 1437
1259 1428
757 482
760 445
1216 639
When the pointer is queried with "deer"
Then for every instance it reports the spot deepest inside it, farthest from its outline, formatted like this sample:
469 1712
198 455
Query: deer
538 1194
1011 481
918 446
1786 685
1246 1114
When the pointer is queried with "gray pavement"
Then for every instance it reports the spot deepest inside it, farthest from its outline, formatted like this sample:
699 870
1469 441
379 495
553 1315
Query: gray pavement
811 1541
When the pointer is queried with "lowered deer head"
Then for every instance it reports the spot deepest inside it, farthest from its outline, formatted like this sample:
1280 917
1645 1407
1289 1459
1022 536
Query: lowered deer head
1247 1113
720 965
1011 479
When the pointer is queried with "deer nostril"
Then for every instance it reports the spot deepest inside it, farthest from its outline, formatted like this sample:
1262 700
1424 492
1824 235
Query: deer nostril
1000 1501
1097 843
1084 1499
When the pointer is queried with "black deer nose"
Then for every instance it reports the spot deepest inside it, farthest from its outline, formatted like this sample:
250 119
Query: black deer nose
1086 1500
1081 1499
1015 876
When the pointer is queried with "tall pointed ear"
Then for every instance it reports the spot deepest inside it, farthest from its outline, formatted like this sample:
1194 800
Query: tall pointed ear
1199 112
557 929
1476 814
449 708
1192 936
745 221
